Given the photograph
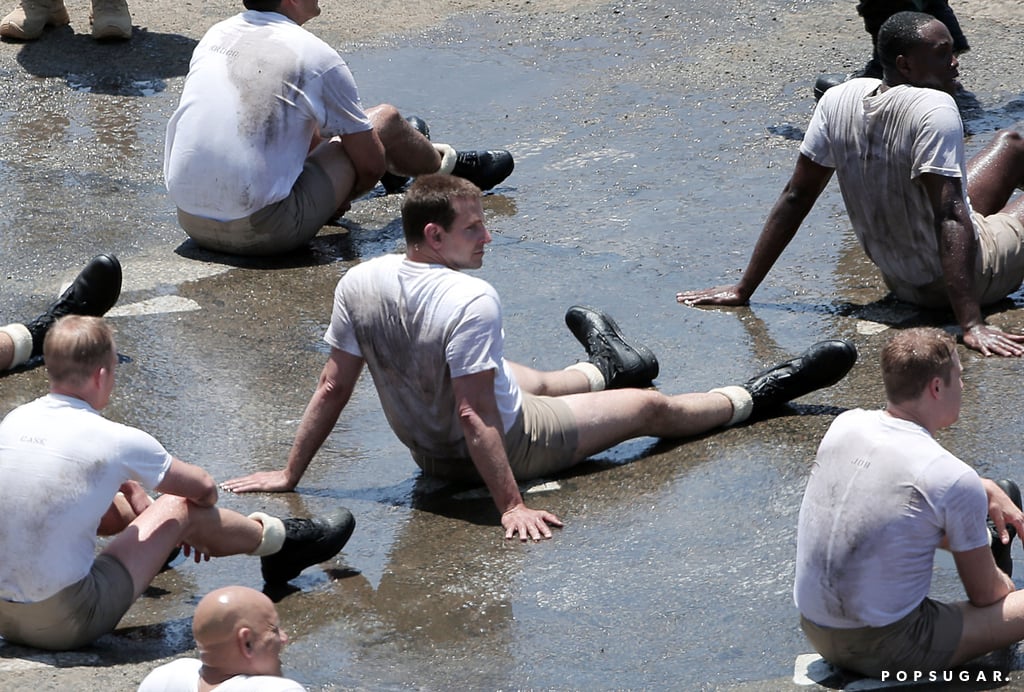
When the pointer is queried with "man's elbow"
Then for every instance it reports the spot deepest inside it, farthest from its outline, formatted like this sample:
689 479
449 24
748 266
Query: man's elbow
982 598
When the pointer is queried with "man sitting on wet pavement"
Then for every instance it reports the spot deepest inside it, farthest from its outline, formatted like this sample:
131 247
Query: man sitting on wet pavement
270 141
882 496
61 464
239 637
943 232
432 338
94 291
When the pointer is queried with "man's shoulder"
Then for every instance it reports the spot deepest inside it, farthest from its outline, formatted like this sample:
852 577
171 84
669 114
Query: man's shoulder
181 674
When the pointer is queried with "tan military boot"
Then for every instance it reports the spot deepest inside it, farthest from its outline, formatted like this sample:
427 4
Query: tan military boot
110 20
27 20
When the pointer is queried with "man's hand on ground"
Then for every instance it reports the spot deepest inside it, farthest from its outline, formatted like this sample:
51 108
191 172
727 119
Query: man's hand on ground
264 481
992 341
528 523
719 295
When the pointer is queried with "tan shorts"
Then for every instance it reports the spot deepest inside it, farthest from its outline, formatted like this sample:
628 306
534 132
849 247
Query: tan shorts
924 640
999 269
76 615
278 228
542 440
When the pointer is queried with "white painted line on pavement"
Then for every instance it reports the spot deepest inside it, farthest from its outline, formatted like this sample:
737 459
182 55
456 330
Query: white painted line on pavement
155 306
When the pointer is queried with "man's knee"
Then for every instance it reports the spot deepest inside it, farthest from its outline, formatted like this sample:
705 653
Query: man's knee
383 116
1010 139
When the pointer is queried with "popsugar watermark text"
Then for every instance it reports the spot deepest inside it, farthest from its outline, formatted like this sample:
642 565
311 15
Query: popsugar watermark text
944 676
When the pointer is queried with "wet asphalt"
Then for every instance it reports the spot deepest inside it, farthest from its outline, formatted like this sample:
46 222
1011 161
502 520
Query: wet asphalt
650 140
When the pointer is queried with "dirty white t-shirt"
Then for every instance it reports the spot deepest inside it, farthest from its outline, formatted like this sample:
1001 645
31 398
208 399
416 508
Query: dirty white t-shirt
182 675
879 145
258 87
61 463
417 326
881 496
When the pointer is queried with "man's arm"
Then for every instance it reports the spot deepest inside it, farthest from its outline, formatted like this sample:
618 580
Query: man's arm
337 381
190 482
481 424
983 581
958 250
796 201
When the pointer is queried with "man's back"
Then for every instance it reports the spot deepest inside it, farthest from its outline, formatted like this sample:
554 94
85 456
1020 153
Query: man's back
879 144
417 326
881 496
259 87
60 465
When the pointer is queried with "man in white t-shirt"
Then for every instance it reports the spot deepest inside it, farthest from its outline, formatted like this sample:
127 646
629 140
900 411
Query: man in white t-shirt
240 638
432 338
61 467
942 231
882 496
270 140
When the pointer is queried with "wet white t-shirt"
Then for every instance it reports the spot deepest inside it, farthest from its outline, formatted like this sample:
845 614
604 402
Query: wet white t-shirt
182 675
881 496
417 326
879 145
61 463
258 87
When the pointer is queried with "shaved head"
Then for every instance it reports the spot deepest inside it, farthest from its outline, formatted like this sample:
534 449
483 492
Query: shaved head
237 633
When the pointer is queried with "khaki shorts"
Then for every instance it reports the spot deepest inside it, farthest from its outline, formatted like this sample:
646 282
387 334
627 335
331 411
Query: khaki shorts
277 228
76 615
999 269
542 440
924 640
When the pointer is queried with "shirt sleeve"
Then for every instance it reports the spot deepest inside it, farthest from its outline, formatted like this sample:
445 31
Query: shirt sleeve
340 333
144 457
939 145
476 341
343 112
817 145
966 506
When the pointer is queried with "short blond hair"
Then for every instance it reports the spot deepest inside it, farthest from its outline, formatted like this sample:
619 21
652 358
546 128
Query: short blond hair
75 347
912 358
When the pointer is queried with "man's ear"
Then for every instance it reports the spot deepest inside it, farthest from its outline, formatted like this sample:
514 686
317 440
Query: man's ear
243 638
903 66
433 233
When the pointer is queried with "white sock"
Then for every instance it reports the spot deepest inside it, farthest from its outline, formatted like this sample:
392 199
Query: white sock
448 158
742 404
273 534
22 339
593 374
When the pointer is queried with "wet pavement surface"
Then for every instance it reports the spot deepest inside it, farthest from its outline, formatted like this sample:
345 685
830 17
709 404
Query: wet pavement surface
650 142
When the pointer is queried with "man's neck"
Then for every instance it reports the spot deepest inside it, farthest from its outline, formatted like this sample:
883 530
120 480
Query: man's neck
909 413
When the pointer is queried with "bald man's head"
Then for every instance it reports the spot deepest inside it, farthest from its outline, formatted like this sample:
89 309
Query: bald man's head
238 632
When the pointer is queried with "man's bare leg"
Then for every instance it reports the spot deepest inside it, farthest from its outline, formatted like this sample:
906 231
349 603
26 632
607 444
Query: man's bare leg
990 628
143 547
408 152
6 351
549 382
994 173
605 419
